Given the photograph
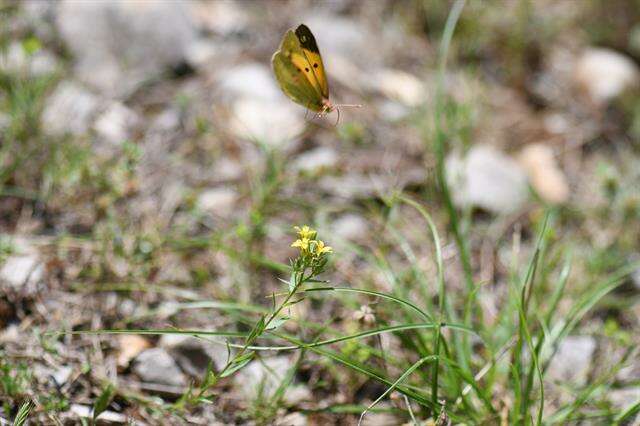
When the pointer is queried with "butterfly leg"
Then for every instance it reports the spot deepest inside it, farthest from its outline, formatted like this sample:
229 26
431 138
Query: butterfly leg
338 119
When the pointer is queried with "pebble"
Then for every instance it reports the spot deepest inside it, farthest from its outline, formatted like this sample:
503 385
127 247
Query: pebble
21 270
218 201
255 376
69 109
157 366
350 227
194 355
119 45
488 179
604 74
115 125
275 125
400 86
250 80
545 176
316 160
130 346
573 360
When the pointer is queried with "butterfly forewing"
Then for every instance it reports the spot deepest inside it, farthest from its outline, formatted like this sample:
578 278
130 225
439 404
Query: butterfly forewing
292 80
314 68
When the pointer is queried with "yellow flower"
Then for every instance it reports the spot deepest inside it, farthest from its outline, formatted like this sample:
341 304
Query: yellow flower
306 232
321 248
302 244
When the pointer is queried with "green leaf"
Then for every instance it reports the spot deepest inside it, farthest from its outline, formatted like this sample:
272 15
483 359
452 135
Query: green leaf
103 401
277 322
238 364
23 413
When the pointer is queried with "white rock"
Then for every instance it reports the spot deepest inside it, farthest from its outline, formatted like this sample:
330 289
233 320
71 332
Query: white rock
119 44
194 355
85 411
349 186
605 74
316 160
572 361
201 53
624 398
293 419
116 124
488 179
252 80
69 109
545 175
20 270
635 278
255 375
338 35
274 124
157 366
219 201
221 17
350 227
399 85
392 110
14 59
62 375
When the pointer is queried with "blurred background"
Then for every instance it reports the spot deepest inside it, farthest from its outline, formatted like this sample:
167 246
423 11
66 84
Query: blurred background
151 172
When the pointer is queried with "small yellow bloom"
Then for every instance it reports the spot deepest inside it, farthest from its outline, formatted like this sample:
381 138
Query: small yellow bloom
302 244
321 248
306 232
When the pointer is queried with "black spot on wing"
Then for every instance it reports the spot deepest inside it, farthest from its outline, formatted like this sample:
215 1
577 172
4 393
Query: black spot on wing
306 38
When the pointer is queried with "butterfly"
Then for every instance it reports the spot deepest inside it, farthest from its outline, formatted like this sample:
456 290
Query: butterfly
300 72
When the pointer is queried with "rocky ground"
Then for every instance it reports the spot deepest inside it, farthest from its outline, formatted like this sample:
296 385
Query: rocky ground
152 171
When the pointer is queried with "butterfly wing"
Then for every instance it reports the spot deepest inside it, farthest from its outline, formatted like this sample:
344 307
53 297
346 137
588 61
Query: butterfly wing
311 62
291 77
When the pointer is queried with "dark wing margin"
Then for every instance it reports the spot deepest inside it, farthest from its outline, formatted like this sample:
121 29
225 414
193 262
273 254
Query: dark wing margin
307 40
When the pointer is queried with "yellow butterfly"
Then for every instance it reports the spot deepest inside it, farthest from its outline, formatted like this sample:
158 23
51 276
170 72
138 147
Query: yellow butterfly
300 72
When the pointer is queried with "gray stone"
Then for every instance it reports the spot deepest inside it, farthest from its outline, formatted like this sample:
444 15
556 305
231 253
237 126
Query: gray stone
488 179
62 375
337 34
316 160
255 376
157 366
251 80
116 124
350 227
274 124
349 186
220 17
107 416
14 59
119 44
21 270
605 74
400 86
194 355
623 398
218 201
573 360
69 109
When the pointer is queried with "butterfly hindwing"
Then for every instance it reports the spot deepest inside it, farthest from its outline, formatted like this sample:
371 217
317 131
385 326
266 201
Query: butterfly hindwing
312 60
288 67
